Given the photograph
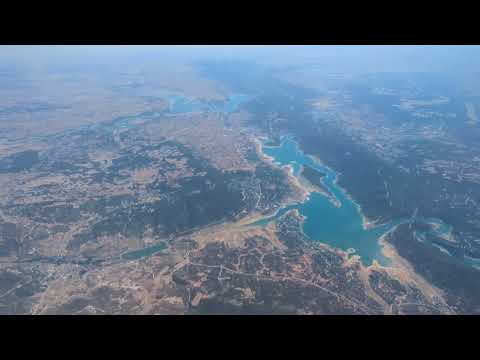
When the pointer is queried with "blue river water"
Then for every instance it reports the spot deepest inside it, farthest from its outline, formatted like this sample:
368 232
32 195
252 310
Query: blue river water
339 226
337 222
181 104
145 252
178 104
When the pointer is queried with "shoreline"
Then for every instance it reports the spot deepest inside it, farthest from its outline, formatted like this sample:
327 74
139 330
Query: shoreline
396 264
404 270
307 190
367 223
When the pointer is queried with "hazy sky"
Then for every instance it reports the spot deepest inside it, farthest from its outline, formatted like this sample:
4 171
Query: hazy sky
340 58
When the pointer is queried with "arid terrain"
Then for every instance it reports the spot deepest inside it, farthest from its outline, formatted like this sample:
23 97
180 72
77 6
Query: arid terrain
140 187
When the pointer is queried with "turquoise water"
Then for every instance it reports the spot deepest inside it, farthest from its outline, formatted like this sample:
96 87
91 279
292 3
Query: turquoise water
179 104
234 103
147 251
336 222
182 104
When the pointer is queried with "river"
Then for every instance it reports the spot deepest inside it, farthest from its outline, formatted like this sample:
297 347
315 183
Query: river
338 222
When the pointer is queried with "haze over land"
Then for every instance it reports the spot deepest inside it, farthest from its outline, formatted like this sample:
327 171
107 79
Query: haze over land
239 179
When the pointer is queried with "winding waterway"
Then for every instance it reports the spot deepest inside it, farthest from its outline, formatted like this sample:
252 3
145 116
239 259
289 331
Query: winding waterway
181 104
178 104
338 222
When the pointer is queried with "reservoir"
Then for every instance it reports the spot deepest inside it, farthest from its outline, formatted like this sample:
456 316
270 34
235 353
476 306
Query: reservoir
336 221
178 104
